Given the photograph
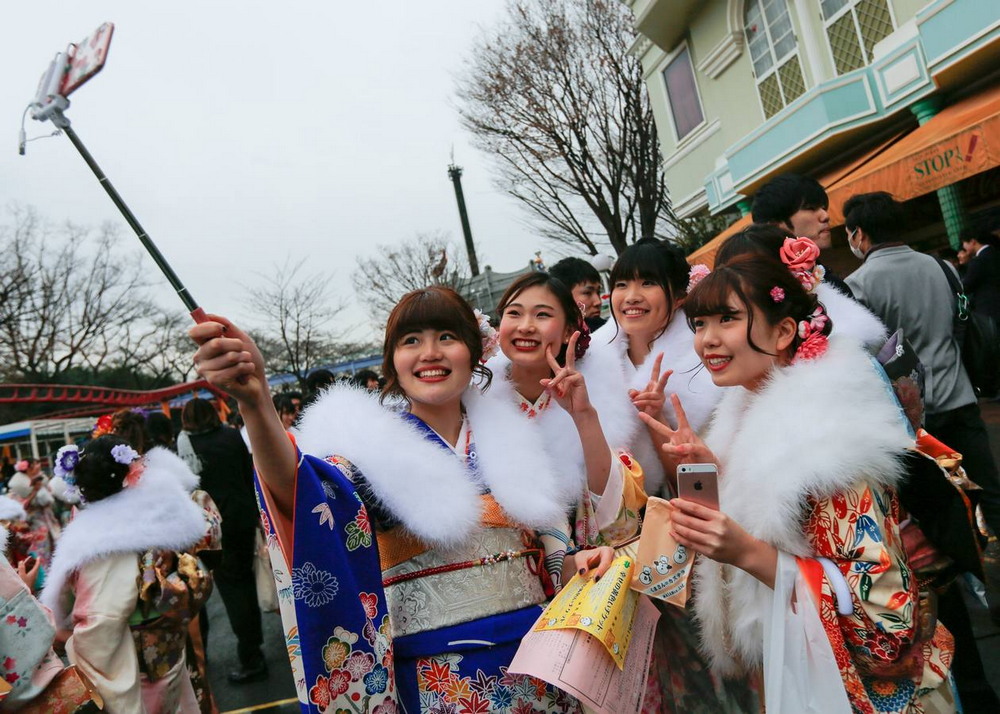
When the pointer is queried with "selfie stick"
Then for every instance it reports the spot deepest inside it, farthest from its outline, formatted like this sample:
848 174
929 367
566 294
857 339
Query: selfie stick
51 104
196 312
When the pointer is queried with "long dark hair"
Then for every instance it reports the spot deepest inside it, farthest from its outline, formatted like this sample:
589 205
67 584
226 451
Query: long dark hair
436 308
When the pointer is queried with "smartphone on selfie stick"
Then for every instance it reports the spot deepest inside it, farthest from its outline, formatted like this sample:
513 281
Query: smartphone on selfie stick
699 483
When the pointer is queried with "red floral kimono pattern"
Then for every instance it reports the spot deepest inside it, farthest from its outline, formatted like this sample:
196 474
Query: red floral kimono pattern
886 659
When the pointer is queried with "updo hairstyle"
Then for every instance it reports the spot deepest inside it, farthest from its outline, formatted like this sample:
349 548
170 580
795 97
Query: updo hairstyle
755 281
764 239
98 475
562 293
434 308
131 426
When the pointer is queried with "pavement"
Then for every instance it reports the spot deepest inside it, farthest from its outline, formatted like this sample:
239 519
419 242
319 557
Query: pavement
276 694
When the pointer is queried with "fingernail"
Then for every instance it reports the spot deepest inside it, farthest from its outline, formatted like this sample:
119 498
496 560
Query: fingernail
597 578
582 571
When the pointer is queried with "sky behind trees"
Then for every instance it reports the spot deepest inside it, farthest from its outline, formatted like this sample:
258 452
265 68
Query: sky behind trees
241 132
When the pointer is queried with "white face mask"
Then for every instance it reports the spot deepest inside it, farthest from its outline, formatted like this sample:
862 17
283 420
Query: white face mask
854 249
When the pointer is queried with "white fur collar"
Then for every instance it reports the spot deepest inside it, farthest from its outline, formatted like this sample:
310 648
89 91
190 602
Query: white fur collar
11 510
613 375
816 427
561 440
155 513
851 318
423 485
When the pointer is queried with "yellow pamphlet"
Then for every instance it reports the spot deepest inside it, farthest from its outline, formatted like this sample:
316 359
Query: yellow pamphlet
604 609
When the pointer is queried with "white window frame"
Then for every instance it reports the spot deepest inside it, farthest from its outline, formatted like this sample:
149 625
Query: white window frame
777 61
850 8
682 47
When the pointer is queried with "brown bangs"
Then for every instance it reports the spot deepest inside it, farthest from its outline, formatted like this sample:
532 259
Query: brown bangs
432 308
711 295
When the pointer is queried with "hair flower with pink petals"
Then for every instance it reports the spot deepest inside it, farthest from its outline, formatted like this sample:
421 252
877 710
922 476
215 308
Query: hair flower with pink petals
777 294
696 274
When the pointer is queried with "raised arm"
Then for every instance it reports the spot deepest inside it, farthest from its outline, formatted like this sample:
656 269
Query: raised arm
230 360
569 389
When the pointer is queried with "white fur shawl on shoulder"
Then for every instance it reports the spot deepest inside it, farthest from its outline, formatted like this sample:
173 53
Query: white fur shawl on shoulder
155 513
610 374
815 428
423 485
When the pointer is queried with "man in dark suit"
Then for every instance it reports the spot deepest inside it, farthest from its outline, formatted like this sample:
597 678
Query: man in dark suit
982 274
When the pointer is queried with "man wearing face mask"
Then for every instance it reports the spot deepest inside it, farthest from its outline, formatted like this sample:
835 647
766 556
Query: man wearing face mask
798 204
909 290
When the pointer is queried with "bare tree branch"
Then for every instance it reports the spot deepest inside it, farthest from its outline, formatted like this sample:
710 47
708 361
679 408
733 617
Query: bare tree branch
553 96
296 312
427 259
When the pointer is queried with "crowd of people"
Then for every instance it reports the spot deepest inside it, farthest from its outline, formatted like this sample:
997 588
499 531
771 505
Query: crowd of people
415 522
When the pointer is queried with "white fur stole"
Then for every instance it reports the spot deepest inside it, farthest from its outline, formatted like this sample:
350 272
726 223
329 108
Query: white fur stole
155 513
815 428
613 374
423 485
851 318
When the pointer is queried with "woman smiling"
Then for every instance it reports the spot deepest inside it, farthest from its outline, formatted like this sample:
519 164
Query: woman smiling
429 612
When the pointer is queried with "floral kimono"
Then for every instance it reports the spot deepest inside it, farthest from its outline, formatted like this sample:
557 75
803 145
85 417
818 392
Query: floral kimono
125 581
808 463
609 518
410 571
680 680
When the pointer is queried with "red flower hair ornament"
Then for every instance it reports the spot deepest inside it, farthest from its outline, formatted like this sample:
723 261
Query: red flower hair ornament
800 255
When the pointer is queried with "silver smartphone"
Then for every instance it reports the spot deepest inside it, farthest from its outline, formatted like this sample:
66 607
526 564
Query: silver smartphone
699 483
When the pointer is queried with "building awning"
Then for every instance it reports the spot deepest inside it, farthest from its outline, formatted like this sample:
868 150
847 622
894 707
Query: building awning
959 142
834 177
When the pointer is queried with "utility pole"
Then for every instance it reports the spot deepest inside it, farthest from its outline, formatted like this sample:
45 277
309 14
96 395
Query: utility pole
455 174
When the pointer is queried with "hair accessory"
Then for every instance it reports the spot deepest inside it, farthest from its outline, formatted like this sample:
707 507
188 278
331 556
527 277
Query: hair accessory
103 426
697 273
21 466
800 255
124 454
66 462
777 294
490 337
811 331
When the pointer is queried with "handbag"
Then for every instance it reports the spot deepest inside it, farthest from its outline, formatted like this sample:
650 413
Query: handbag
801 675
69 693
906 374
977 338
267 588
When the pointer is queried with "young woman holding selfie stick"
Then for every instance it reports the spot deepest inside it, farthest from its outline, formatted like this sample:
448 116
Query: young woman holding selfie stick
808 444
429 612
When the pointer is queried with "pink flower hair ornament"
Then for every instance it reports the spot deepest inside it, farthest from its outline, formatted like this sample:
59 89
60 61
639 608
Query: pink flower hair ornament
800 255
696 274
490 337
811 331
777 294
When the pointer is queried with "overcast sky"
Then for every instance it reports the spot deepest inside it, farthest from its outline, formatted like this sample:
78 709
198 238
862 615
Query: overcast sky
244 132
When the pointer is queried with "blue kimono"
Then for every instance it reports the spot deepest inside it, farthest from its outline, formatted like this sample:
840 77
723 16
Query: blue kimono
380 620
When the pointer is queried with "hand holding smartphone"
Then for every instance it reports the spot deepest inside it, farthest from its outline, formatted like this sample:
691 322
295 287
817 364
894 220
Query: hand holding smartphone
699 483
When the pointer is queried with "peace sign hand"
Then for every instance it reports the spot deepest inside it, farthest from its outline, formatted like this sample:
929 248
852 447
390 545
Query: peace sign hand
567 386
651 399
682 445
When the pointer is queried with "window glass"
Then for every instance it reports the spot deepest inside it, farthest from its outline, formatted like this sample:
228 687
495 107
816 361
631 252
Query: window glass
683 94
